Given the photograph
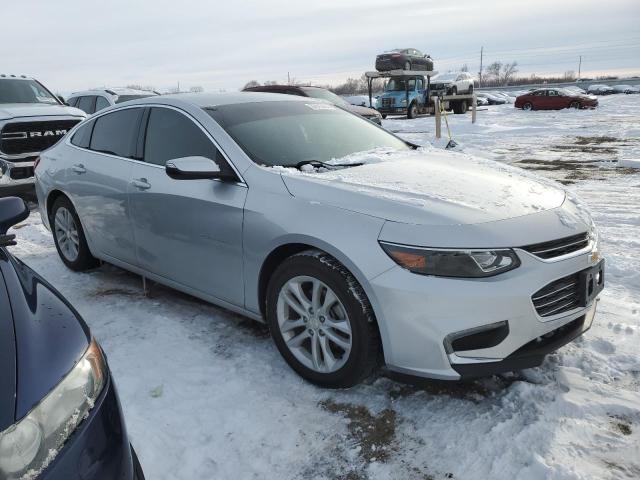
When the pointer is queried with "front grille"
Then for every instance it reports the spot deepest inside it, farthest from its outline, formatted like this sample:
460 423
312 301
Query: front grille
556 248
559 296
388 102
28 137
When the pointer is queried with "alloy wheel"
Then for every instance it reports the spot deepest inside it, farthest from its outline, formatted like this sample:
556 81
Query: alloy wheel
314 324
66 232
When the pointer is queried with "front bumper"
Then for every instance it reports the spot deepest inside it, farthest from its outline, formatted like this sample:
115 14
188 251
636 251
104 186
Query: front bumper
420 314
99 449
15 174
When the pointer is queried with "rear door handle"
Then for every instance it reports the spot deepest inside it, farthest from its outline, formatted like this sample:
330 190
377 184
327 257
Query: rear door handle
79 168
141 183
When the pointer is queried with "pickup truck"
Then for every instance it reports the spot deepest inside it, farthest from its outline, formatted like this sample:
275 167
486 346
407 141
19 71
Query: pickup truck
32 119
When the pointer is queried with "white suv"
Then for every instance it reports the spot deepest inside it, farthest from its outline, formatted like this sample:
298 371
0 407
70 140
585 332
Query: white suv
91 101
452 83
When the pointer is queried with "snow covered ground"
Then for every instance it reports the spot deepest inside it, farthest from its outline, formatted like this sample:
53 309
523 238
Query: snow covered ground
207 396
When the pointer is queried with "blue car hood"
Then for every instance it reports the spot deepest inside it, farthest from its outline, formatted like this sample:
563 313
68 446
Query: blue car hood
50 336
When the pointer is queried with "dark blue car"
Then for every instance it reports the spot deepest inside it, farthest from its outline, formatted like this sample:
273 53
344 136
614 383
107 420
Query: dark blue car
60 417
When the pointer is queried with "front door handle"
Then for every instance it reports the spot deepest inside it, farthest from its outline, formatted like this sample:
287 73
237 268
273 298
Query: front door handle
79 168
141 183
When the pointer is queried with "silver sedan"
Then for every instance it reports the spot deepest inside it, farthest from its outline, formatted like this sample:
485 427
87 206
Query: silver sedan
355 247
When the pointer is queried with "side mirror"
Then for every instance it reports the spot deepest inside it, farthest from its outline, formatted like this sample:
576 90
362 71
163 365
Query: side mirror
13 210
194 168
61 98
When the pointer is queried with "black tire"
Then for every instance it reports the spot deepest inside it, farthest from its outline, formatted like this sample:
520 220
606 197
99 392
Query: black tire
138 474
454 90
470 89
575 105
384 116
528 106
364 357
407 65
84 260
412 111
460 107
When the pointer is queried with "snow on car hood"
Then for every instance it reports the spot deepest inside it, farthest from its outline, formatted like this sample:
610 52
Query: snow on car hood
427 186
17 110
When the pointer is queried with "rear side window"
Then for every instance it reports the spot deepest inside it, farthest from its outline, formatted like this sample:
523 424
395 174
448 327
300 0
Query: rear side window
116 133
170 135
101 103
87 104
82 137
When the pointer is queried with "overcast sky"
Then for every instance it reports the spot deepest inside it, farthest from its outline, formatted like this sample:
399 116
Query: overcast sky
77 44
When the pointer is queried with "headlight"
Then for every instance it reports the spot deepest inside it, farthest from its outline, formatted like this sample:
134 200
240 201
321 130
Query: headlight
452 263
28 446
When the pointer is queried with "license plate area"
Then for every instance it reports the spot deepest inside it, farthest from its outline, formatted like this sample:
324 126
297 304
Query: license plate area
591 283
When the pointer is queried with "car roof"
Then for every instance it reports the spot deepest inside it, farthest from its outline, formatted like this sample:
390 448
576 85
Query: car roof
207 100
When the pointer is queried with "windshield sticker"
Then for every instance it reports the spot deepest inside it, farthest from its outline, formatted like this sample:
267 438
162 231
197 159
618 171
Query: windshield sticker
320 106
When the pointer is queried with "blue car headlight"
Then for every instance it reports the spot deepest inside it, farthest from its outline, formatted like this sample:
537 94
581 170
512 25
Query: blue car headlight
28 446
452 263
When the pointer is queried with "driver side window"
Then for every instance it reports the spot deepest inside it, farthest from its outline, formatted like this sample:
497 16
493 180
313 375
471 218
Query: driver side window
171 134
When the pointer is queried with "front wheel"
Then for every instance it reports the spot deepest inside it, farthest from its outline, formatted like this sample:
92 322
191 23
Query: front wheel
470 89
69 236
321 321
412 112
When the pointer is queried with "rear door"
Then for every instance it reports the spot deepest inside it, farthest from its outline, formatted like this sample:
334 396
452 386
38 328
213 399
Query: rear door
98 181
187 231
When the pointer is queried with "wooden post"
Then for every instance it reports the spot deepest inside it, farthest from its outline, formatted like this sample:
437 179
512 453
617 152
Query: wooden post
474 102
436 106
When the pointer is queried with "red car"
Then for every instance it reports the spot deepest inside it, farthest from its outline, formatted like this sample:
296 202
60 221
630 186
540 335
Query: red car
554 99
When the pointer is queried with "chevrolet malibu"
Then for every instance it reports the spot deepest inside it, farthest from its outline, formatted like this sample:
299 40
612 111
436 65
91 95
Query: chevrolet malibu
355 247
60 417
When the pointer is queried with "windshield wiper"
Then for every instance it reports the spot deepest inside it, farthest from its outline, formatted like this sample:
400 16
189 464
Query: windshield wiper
328 166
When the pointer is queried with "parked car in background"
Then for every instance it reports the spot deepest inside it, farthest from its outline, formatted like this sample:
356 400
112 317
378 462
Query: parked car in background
60 417
481 101
452 83
91 101
293 211
322 94
503 95
404 59
628 89
490 98
31 120
361 100
554 99
599 89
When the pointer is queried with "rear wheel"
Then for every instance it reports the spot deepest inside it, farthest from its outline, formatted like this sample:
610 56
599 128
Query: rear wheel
460 107
575 105
69 236
470 89
407 65
321 321
527 106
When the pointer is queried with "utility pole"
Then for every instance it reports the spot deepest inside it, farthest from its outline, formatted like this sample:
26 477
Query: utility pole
579 67
288 79
480 72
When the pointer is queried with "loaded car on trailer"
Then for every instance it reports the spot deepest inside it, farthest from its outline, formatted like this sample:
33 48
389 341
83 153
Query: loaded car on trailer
32 119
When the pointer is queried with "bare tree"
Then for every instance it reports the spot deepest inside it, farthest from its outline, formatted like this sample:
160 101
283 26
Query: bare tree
196 89
569 75
493 71
251 84
508 72
271 82
146 88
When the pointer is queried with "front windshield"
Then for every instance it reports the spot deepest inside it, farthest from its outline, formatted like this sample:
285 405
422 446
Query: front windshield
15 90
400 84
285 133
323 94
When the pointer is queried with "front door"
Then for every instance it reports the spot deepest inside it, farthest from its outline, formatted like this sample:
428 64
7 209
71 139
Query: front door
98 181
187 231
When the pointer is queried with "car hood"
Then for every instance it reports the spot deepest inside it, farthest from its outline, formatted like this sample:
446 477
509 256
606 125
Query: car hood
364 111
429 187
16 110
